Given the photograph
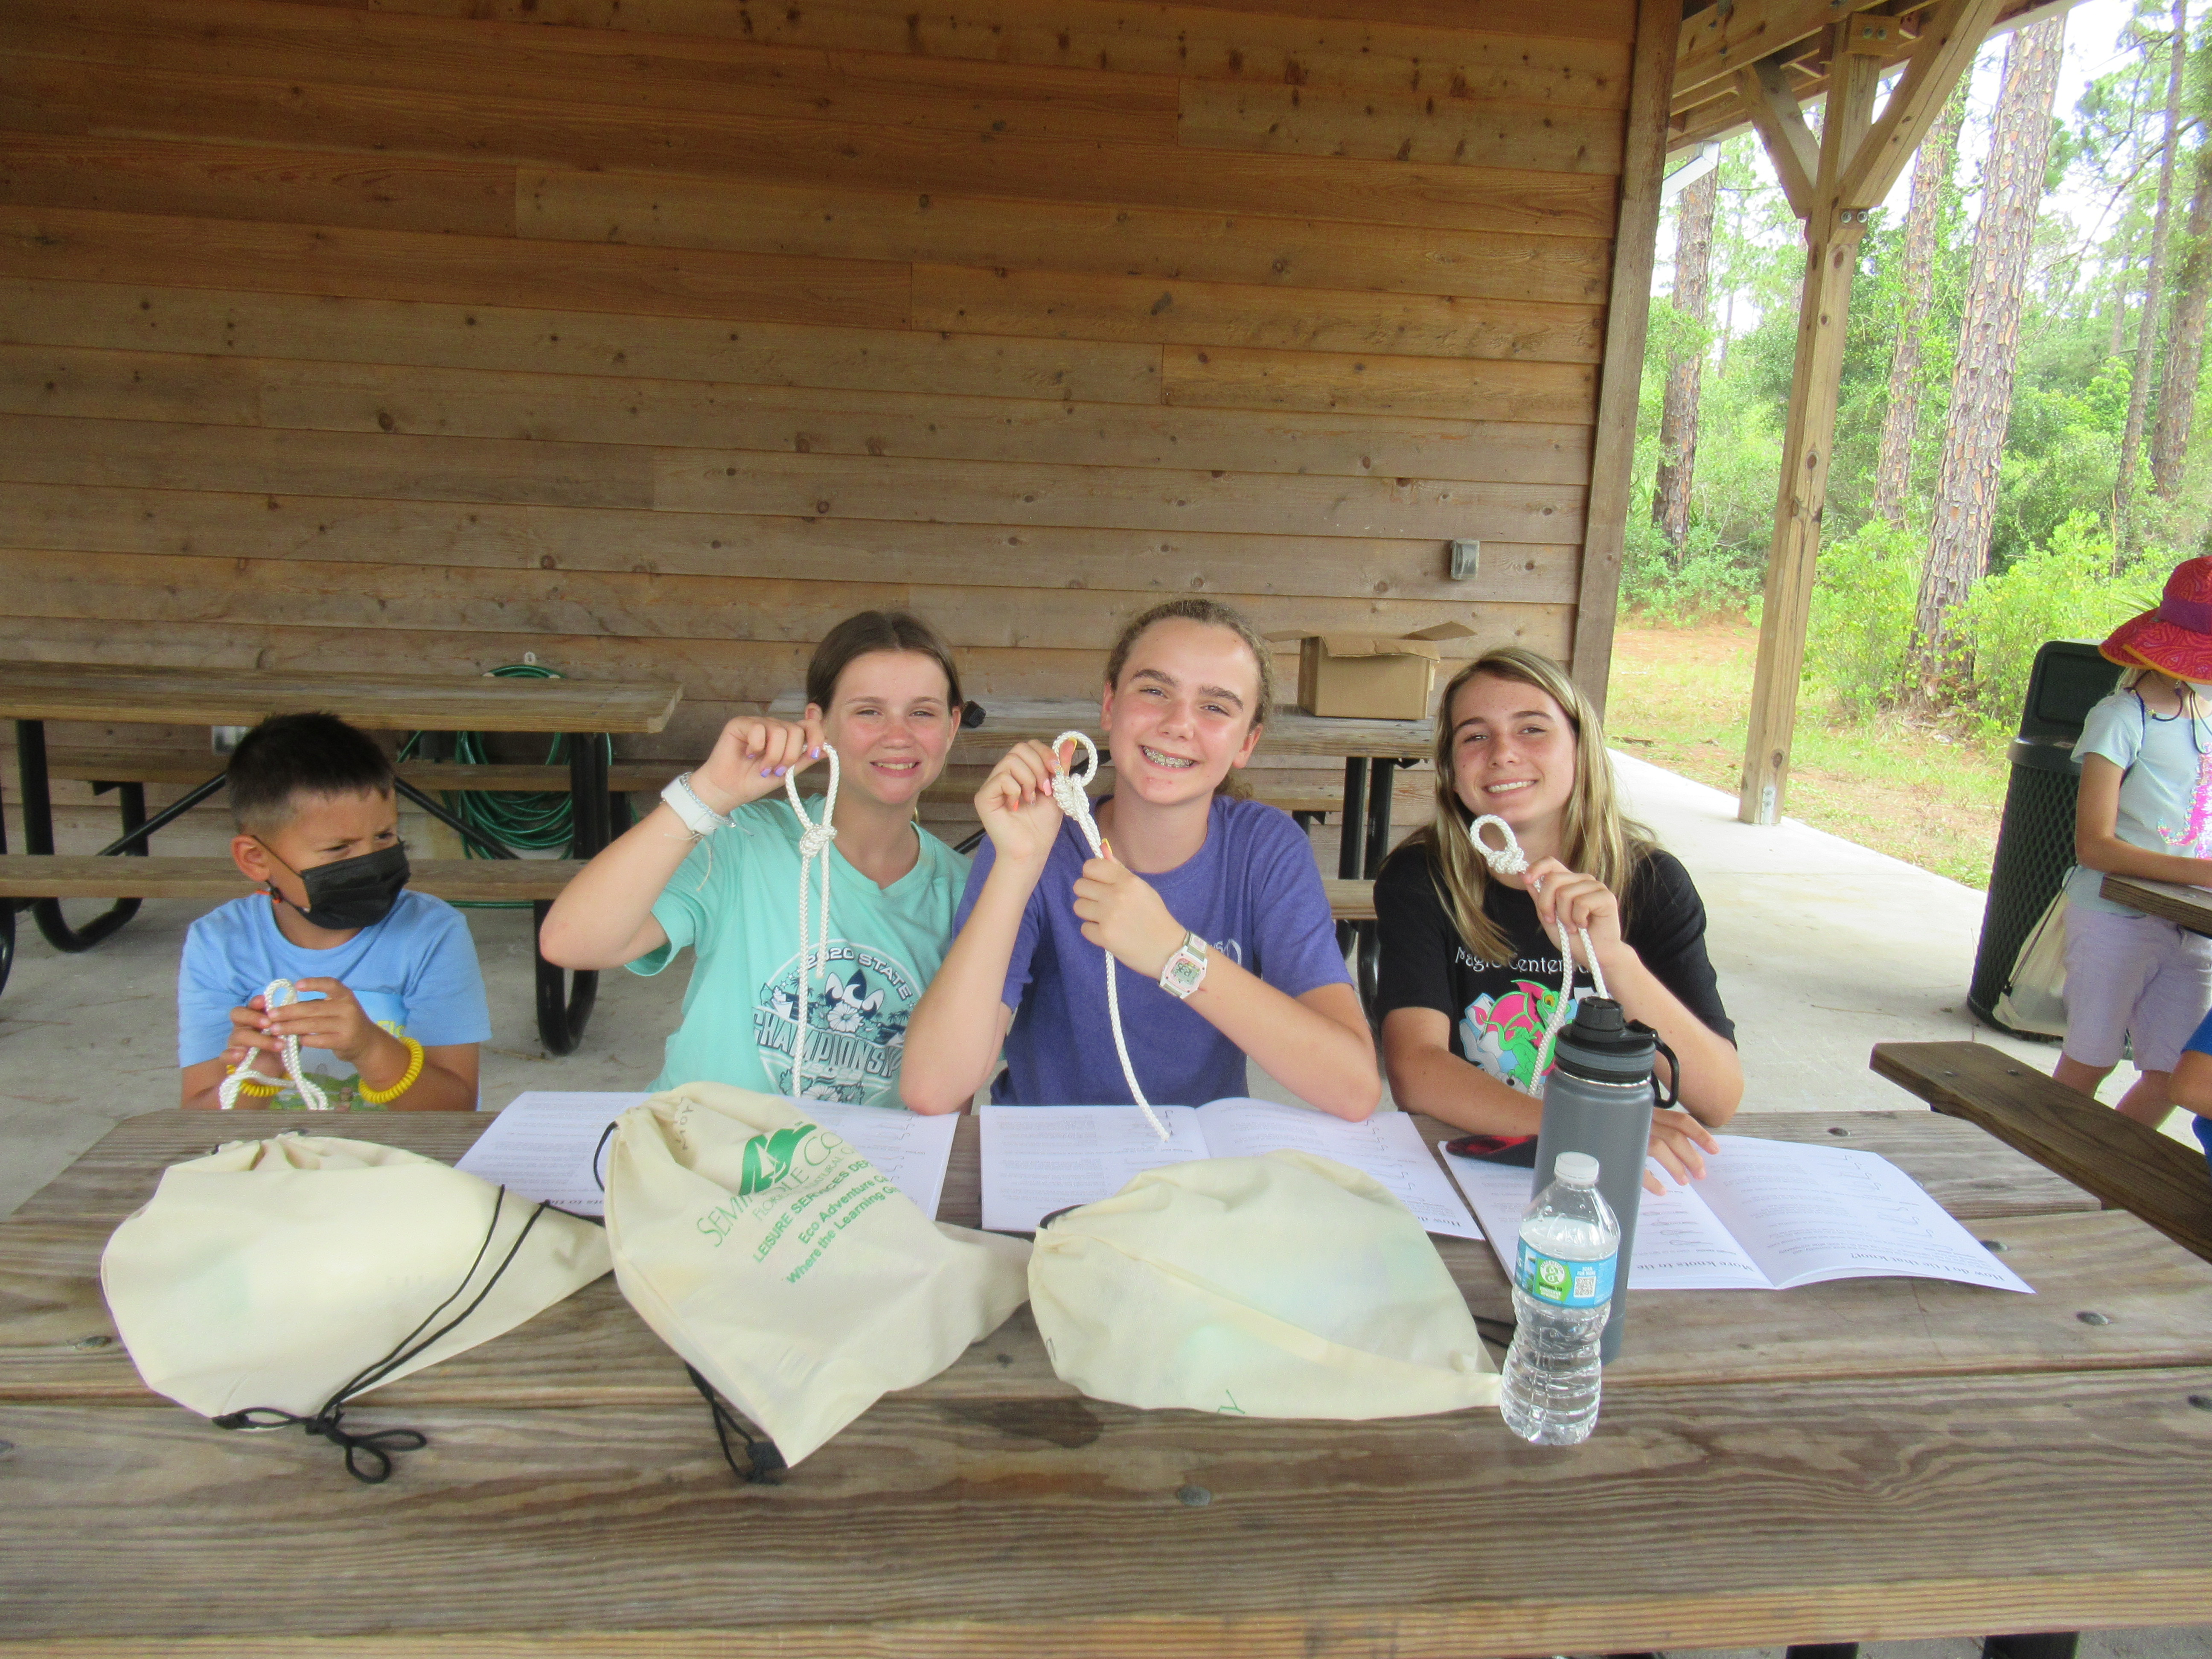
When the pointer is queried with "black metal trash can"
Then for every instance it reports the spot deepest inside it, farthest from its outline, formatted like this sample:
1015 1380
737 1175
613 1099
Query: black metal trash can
2035 840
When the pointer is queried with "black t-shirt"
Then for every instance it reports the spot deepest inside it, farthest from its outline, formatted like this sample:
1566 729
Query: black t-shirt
1498 1011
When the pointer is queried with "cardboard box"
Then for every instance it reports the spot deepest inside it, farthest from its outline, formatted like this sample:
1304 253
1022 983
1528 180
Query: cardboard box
1369 676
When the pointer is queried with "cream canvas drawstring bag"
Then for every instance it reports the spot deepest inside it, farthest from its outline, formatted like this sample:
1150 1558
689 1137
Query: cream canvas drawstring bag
273 1281
1287 1286
785 1269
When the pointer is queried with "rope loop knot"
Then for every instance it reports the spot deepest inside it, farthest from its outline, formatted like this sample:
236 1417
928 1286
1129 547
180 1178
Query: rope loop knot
277 994
815 836
1510 858
1068 794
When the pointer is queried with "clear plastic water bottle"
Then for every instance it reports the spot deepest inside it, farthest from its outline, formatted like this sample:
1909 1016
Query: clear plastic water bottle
1562 1292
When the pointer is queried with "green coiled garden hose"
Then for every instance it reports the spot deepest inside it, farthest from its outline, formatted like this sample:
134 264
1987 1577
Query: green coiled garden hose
528 820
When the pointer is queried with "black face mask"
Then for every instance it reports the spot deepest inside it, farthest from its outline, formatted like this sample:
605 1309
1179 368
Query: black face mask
357 892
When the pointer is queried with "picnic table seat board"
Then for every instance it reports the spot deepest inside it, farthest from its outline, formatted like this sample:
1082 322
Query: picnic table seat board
2126 1164
1870 1458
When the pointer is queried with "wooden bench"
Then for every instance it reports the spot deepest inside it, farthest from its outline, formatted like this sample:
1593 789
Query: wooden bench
2130 1167
26 875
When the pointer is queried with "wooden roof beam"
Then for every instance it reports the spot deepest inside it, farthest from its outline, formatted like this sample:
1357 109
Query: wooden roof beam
1950 34
1729 36
1771 104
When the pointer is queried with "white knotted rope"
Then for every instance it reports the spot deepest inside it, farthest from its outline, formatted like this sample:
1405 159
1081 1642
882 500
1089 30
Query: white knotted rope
815 836
280 993
1510 861
1068 793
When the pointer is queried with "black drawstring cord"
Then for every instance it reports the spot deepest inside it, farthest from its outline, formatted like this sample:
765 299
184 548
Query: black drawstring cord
763 1462
327 1424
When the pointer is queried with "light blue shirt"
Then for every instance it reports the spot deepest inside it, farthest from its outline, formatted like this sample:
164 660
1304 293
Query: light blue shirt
2166 798
735 900
415 974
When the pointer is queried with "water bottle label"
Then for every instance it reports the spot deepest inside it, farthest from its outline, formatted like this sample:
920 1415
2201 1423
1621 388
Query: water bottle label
1570 1283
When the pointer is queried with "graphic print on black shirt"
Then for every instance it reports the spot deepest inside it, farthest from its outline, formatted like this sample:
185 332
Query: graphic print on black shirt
1498 1011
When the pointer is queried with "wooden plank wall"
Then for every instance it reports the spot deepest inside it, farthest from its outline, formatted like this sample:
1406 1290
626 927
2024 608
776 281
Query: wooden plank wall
652 336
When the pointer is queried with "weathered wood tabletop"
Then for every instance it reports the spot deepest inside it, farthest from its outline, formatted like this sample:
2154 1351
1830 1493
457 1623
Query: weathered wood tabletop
2192 907
1865 1459
383 703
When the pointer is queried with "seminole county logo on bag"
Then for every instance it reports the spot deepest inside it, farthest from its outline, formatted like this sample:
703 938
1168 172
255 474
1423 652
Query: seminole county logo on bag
768 1157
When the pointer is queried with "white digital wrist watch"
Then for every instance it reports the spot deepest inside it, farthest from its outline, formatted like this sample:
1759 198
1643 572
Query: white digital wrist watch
701 819
1186 969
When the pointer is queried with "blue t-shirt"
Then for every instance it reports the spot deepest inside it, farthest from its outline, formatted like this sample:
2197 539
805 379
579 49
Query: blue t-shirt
1253 892
2202 1044
415 974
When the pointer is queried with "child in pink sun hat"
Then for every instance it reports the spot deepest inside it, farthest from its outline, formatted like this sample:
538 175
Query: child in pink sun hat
2145 809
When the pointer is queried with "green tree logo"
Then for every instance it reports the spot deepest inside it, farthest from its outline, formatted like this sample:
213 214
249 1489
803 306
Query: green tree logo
768 1158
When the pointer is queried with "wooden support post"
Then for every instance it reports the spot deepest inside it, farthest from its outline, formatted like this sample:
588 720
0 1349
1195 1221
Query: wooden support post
1823 312
1854 171
1635 246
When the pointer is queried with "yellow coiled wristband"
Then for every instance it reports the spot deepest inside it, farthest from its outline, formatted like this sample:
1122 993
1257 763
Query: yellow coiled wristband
380 1096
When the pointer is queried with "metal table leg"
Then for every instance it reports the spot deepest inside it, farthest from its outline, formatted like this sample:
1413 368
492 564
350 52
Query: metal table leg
7 920
2045 1644
1349 842
564 1002
38 837
1378 817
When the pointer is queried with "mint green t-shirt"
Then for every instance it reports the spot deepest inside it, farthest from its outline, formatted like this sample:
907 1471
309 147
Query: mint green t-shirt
735 902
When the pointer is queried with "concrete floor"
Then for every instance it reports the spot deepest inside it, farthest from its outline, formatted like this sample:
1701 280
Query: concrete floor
1823 949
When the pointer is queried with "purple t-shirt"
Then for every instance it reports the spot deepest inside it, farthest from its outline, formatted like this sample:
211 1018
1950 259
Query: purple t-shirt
1253 892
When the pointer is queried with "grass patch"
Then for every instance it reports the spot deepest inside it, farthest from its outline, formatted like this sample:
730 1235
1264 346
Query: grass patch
1680 698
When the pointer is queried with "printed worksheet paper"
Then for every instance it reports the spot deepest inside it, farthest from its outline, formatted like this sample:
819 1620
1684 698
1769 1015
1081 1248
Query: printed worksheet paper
1040 1159
1769 1215
545 1146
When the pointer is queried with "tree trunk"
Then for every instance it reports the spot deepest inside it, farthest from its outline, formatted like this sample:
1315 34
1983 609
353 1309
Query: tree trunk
1988 341
2123 490
1678 423
1931 176
2184 337
2120 307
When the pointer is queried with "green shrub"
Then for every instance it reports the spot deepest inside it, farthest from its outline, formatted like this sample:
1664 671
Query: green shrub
1863 601
2062 590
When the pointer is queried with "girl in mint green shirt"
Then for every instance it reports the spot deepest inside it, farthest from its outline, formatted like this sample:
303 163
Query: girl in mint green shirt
882 689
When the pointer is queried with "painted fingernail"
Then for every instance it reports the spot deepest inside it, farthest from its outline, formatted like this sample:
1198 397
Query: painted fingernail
780 770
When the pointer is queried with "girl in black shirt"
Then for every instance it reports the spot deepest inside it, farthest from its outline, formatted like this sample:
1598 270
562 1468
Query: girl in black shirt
1470 971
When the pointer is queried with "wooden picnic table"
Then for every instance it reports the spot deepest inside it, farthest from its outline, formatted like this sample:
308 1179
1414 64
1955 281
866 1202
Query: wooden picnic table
2191 906
1872 1458
589 711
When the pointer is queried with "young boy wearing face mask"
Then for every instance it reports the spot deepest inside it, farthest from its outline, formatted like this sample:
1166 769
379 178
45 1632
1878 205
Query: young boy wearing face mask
390 1004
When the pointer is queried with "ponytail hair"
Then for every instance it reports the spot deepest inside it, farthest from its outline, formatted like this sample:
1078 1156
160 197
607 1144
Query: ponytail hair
1594 838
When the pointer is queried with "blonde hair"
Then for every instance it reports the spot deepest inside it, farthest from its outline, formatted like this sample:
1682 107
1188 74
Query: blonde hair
2191 704
1594 838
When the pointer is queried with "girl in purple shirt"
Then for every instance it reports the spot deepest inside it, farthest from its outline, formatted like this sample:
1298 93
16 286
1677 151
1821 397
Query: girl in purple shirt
1212 909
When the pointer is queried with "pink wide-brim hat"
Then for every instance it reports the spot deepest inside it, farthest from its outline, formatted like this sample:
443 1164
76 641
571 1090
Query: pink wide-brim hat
2175 639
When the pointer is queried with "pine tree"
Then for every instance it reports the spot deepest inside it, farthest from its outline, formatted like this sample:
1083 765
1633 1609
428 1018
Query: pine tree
2192 287
1931 176
1678 424
1989 340
2123 490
